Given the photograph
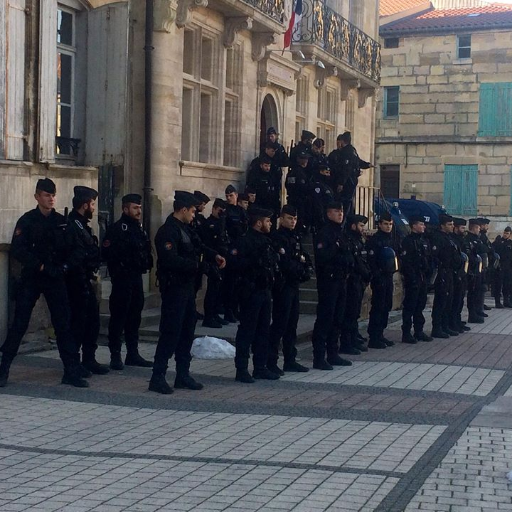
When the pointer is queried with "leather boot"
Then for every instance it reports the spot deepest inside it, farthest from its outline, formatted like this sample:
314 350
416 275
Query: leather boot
116 363
497 303
4 373
186 381
135 359
72 377
407 337
158 384
244 376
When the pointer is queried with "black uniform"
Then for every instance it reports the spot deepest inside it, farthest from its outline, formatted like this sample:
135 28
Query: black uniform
503 275
477 250
448 260
127 250
487 270
460 284
299 148
333 262
415 266
383 267
320 195
256 263
280 159
39 241
295 267
84 261
179 250
297 188
267 186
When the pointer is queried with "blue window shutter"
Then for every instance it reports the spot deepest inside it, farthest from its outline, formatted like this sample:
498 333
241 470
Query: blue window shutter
461 189
495 110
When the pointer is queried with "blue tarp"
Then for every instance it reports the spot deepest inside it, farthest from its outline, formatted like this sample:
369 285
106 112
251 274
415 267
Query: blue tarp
410 207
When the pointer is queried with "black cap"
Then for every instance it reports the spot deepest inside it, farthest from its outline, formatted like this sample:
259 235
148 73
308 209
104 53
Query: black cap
183 199
345 137
334 205
355 218
46 185
483 221
457 221
85 193
414 219
385 216
271 145
444 219
230 189
288 209
474 222
508 229
243 197
220 203
303 154
202 197
250 190
257 212
306 134
132 198
272 131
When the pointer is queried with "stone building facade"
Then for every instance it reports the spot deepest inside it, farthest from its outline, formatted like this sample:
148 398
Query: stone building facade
444 129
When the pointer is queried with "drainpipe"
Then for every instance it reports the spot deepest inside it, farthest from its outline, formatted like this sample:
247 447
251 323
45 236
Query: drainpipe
148 107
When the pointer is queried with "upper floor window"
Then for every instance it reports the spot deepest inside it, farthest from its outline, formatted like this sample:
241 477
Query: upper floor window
301 98
464 46
391 42
326 115
350 112
391 101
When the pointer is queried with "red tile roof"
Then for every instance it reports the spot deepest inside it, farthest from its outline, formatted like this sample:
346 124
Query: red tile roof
488 17
389 7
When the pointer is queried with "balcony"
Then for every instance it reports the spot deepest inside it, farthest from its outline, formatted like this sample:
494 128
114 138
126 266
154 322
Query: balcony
325 34
272 8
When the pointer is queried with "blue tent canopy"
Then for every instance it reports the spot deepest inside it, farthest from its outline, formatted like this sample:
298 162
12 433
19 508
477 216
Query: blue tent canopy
430 211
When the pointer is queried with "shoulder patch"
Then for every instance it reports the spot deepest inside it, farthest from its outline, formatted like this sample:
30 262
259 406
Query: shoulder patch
106 243
168 246
282 251
79 224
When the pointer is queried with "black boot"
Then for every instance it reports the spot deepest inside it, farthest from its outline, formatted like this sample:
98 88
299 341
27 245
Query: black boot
264 374
507 303
230 317
321 364
487 308
348 349
4 373
186 381
407 337
475 319
211 323
376 343
421 336
388 343
497 303
158 384
450 331
275 369
439 333
94 367
135 359
72 377
221 320
244 376
84 372
336 360
116 363
293 366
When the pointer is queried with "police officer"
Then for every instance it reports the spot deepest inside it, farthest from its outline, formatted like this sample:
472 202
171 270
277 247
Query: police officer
503 274
346 166
39 244
415 260
297 188
477 250
295 267
243 201
358 280
304 146
382 257
460 278
179 250
83 263
318 156
320 195
266 184
281 156
214 235
488 265
334 262
256 263
199 218
448 260
127 250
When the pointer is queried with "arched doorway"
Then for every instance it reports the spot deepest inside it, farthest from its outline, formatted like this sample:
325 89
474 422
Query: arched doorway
269 117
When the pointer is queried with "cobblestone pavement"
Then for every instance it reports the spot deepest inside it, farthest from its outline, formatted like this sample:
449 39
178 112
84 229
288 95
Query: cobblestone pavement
412 427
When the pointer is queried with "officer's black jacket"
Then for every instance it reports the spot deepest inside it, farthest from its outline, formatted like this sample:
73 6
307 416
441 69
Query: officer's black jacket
84 258
357 245
294 263
504 249
476 248
464 247
415 257
375 246
320 194
297 183
126 247
281 158
255 259
40 240
299 148
198 222
214 235
333 258
316 160
346 168
267 186
445 252
236 221
179 250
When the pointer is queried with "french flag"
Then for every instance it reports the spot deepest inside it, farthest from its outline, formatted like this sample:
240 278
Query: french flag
294 21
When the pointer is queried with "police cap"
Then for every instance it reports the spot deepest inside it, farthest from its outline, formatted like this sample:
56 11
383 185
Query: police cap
444 219
474 222
345 137
230 189
132 198
457 221
414 219
46 185
483 221
508 229
183 199
306 134
84 193
334 205
288 209
385 216
250 190
202 197
220 203
243 197
319 143
260 213
355 218
303 155
272 131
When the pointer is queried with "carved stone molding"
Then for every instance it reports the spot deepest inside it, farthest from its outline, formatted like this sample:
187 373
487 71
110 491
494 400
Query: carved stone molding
260 41
164 15
363 95
185 8
321 75
233 26
346 87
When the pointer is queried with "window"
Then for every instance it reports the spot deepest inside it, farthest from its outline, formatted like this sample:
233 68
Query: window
495 118
391 101
350 112
390 181
461 189
391 42
326 114
464 46
301 106
231 154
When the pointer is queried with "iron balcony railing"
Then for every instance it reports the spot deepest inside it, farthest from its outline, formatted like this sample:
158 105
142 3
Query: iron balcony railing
323 27
272 8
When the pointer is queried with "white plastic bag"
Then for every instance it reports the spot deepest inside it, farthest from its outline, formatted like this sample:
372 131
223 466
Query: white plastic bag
212 348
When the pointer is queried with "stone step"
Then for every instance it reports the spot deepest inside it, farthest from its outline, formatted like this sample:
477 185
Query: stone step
308 294
308 307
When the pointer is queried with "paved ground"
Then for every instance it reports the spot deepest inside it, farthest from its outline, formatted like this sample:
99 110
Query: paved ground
423 427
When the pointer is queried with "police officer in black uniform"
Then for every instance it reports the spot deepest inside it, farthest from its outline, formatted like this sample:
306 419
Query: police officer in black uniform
318 156
503 274
358 280
382 257
39 244
297 188
460 278
267 184
333 262
477 250
488 265
127 250
214 235
256 262
448 260
83 263
295 267
320 195
281 156
304 146
415 266
179 251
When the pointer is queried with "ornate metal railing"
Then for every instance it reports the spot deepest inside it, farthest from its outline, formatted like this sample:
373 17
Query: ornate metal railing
322 26
272 8
67 146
